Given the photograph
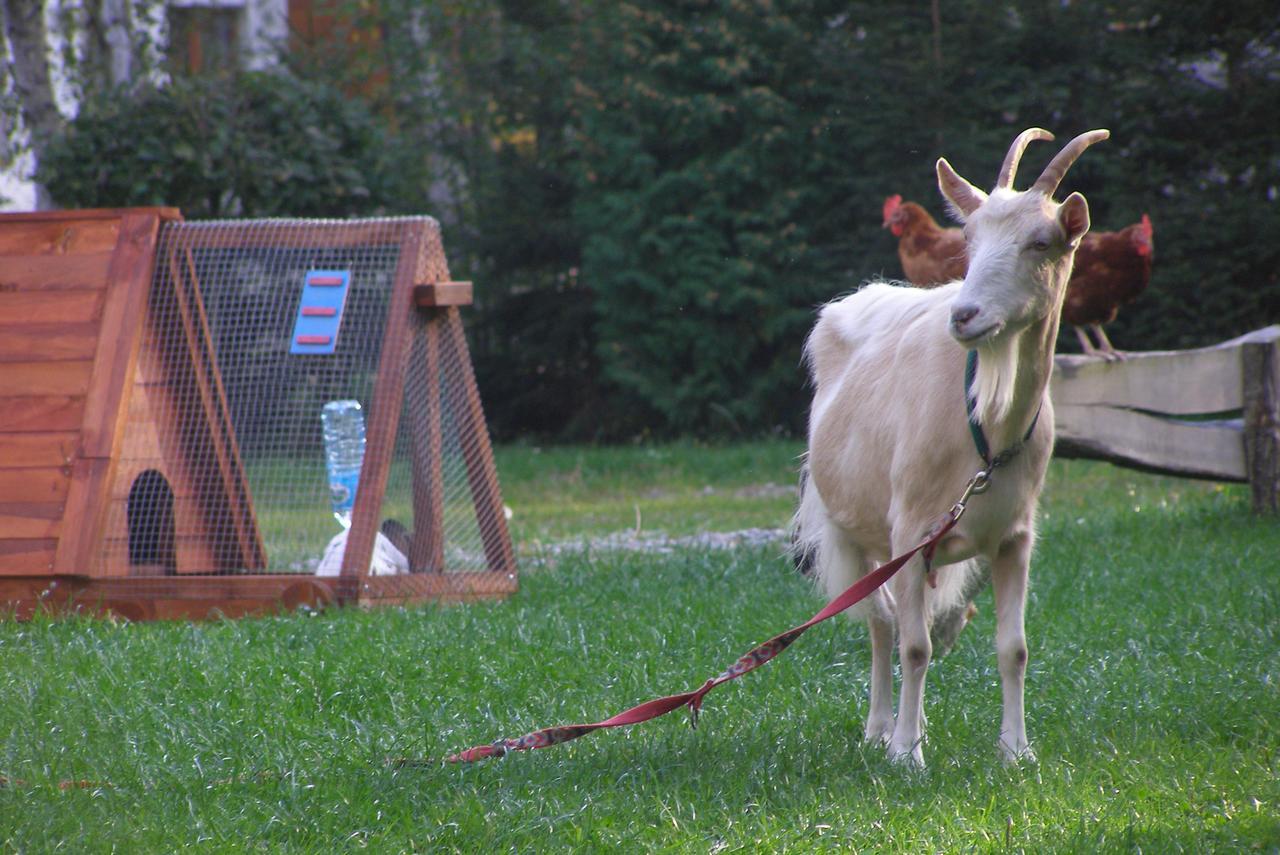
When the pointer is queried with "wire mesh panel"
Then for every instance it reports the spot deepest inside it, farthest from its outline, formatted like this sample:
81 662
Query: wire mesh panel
253 328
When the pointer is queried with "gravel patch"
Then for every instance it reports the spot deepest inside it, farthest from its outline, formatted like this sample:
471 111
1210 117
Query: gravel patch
660 543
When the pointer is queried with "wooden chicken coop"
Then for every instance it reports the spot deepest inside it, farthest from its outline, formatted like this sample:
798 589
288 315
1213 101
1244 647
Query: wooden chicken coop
161 448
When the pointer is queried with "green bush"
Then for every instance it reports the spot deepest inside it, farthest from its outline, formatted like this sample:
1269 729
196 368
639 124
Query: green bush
705 213
252 144
736 155
652 198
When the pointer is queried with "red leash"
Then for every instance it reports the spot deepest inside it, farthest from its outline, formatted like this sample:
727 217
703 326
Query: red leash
749 662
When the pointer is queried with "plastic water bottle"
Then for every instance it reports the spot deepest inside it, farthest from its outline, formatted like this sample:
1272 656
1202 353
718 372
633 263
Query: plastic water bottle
343 424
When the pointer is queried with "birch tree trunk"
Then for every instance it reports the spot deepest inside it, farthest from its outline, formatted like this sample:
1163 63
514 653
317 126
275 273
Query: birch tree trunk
24 25
108 51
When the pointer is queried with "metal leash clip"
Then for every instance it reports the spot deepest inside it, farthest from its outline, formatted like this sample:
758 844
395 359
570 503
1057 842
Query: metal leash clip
977 485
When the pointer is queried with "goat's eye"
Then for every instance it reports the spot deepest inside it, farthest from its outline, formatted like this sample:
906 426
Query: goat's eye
1040 245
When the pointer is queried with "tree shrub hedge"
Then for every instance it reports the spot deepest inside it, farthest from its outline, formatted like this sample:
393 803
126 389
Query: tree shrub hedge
654 197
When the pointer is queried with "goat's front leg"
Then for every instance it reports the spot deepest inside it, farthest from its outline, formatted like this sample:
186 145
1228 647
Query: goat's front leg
1009 581
914 653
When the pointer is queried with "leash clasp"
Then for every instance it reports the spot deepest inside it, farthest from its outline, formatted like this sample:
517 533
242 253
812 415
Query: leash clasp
977 485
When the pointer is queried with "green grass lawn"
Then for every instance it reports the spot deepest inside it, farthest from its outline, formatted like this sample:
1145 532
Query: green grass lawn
559 494
1153 694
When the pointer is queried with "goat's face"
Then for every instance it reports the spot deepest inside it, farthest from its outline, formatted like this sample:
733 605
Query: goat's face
1020 247
1020 244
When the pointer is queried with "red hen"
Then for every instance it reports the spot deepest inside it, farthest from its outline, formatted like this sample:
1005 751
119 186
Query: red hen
930 254
1111 270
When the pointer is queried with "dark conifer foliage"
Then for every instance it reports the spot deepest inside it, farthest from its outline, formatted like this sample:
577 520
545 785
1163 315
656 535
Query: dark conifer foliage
653 197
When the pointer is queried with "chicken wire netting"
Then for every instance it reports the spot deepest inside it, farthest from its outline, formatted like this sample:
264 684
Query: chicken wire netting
224 445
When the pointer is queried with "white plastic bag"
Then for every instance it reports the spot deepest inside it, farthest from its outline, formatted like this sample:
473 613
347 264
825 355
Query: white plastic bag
387 560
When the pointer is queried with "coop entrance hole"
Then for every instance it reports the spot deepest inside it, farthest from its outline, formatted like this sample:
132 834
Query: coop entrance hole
150 513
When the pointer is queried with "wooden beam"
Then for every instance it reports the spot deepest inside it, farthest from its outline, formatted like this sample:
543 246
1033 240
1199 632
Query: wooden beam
385 409
59 235
119 339
218 434
54 272
120 334
1193 413
1210 450
86 509
300 235
161 211
41 412
477 453
30 520
1186 382
436 587
44 484
427 548
215 597
50 307
27 557
437 294
48 342
46 379
24 597
1260 366
54 449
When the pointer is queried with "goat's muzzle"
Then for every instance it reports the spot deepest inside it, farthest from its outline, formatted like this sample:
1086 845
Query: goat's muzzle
966 325
961 315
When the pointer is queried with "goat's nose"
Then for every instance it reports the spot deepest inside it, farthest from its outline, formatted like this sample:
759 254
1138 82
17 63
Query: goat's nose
961 315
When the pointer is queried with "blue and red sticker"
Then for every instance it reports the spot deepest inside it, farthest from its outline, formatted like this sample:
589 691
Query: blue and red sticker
324 297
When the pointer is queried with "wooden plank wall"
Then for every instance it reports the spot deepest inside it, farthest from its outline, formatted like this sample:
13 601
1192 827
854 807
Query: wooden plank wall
64 278
1194 413
53 276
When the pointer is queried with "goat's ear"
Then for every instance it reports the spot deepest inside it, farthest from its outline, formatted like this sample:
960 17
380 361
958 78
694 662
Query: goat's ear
962 195
1073 216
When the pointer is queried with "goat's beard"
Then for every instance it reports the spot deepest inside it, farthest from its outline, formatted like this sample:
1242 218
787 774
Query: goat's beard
997 377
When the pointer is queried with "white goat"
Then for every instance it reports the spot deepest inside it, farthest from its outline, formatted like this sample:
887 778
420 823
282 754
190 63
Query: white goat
890 442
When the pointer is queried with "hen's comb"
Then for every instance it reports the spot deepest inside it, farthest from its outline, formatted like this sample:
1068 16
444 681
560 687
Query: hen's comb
891 205
1142 237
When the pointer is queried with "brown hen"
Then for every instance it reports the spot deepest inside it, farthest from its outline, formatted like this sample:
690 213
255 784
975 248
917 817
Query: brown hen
1111 270
930 254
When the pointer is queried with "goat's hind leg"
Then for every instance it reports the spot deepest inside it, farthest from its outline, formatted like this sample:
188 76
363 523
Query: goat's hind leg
841 562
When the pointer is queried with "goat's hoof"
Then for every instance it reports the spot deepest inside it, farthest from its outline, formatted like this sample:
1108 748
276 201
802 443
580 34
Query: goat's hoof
879 732
907 757
1017 755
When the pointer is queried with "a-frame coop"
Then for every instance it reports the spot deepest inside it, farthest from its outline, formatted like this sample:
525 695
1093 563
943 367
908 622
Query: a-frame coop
161 390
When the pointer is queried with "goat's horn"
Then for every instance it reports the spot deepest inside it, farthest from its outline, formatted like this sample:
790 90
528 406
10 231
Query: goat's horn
1049 180
1010 167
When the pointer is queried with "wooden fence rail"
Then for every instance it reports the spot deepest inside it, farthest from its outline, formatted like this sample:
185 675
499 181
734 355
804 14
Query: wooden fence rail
1209 413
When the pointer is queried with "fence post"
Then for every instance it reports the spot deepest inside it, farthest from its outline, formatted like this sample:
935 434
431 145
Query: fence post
1262 423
